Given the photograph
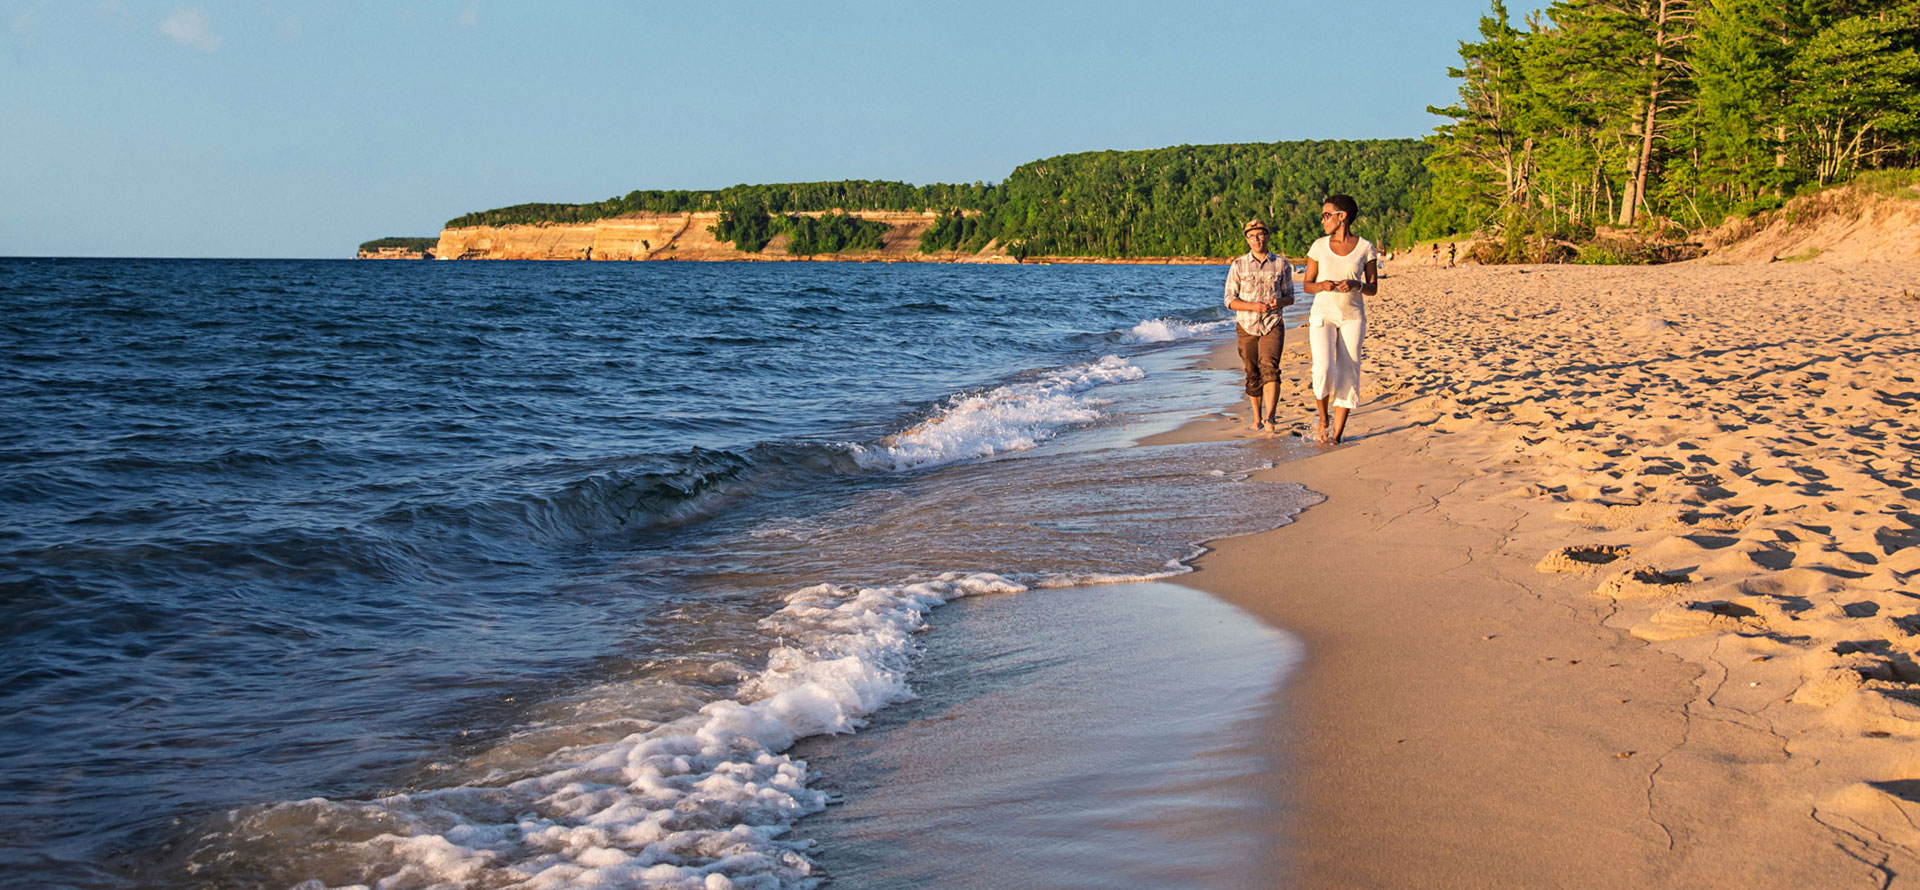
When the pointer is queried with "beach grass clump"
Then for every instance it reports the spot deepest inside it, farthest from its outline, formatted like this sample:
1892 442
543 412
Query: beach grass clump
1900 183
1525 235
1604 253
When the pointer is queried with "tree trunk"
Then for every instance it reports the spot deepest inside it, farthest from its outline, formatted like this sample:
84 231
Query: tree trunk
1522 180
1779 158
1656 79
1646 145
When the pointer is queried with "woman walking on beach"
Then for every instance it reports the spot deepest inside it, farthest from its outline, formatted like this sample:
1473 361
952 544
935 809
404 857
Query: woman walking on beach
1342 269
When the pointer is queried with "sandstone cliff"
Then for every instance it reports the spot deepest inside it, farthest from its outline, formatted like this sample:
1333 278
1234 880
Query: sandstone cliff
679 236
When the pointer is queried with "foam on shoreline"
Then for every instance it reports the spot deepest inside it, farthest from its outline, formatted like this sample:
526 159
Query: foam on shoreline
698 803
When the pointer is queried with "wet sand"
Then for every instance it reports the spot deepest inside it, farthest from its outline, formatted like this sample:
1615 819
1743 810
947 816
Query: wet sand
1616 587
1108 736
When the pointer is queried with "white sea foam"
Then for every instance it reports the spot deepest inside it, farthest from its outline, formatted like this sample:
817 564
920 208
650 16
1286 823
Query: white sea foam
699 802
1168 330
1095 579
1013 417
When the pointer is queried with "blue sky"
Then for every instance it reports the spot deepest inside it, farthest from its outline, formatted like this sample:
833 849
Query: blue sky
288 129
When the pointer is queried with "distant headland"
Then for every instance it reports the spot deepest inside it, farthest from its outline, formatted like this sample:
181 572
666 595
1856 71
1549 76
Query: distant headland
398 249
1180 204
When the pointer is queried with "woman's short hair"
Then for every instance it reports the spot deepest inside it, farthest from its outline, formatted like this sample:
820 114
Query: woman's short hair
1345 205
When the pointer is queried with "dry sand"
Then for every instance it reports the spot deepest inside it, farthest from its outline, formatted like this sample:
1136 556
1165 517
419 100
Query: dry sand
1619 585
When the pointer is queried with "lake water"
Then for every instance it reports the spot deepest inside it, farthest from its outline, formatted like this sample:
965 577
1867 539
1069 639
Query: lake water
326 573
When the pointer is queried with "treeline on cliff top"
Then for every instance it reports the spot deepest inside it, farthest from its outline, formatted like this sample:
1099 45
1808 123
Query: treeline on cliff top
419 244
1188 200
1667 115
851 194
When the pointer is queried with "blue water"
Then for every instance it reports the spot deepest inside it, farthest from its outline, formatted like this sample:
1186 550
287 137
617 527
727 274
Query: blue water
278 530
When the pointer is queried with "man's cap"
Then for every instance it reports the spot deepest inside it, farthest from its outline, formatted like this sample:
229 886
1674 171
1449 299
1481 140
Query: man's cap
1254 223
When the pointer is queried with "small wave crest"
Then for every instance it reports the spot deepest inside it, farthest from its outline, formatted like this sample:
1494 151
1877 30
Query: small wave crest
702 801
1171 329
1013 417
567 503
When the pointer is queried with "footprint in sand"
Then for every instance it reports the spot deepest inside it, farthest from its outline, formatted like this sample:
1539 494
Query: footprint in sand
1644 582
1692 619
1581 557
1772 558
1707 522
1617 515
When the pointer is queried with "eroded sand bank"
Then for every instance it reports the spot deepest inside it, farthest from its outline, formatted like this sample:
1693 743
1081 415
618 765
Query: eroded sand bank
1619 585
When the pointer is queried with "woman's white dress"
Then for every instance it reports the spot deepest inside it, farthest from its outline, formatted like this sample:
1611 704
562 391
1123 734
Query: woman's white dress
1338 322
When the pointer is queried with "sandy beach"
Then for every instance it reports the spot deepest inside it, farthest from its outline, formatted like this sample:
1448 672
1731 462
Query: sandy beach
1614 586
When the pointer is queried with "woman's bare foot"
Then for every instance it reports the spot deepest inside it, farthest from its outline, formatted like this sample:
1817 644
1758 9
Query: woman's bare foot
1320 432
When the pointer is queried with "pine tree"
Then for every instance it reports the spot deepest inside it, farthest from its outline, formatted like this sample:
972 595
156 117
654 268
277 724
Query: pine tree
1739 66
1857 96
1480 162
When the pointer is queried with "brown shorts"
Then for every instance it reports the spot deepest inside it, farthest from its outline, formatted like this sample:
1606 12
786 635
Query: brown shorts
1260 357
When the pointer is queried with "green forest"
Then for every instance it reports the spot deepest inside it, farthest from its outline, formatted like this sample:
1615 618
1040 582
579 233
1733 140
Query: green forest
750 227
1668 114
1191 200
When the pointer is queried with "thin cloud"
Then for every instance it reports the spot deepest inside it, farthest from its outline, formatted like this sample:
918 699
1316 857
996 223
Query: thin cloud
189 26
470 16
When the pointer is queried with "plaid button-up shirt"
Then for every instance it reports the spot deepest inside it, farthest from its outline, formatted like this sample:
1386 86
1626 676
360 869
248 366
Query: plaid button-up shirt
1266 280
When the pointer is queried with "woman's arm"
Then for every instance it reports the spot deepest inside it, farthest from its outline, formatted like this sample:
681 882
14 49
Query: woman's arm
1370 284
1314 285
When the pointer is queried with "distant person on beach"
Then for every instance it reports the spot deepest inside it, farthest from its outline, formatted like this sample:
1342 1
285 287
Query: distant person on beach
1342 268
1258 284
1434 260
1451 250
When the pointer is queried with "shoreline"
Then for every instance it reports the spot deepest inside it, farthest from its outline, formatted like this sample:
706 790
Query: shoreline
1098 735
929 259
1473 711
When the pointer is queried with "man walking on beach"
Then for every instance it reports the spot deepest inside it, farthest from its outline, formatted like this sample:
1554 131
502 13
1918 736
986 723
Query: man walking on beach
1258 284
